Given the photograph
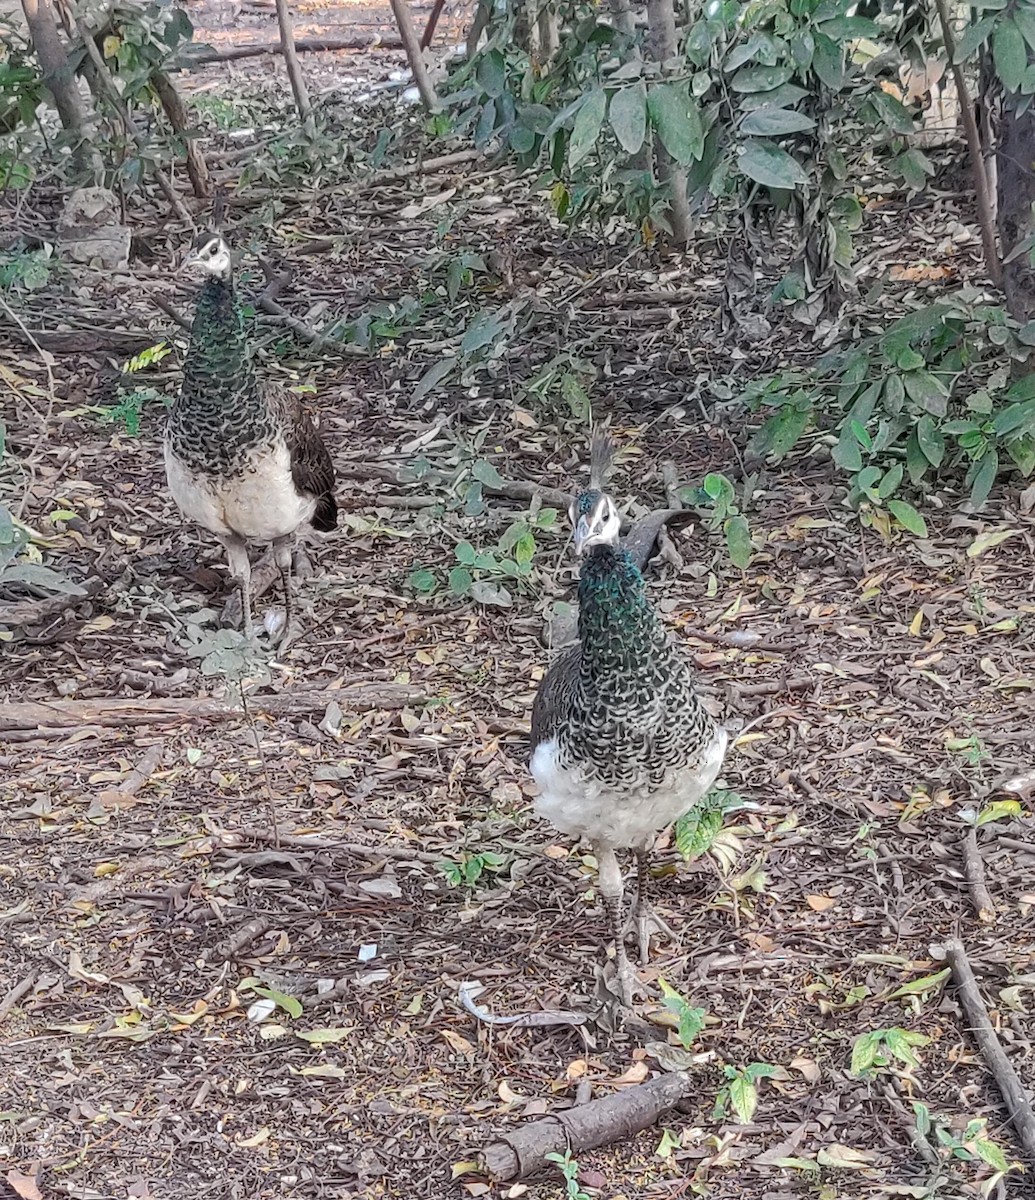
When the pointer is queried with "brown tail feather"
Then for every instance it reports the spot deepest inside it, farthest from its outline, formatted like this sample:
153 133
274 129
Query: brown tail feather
601 450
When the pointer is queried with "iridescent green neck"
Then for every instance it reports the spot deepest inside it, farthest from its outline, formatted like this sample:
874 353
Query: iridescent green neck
615 616
218 363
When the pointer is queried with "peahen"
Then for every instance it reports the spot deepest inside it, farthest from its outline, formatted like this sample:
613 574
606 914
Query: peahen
621 745
242 457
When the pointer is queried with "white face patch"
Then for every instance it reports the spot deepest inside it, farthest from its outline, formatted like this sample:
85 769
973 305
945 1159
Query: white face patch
213 258
600 527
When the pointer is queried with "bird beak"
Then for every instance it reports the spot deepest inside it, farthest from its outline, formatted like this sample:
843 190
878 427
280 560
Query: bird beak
581 535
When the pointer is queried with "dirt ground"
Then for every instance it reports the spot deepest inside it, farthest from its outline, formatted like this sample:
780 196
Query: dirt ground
231 957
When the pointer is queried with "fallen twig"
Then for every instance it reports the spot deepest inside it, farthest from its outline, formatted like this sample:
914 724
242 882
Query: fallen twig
974 870
1018 1103
250 932
143 771
624 1113
56 717
30 612
537 1020
16 993
509 489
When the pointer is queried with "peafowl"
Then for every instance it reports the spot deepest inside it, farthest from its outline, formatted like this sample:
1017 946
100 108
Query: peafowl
242 457
621 745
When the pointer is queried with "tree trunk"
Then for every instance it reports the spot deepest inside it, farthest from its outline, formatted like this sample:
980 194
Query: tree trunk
176 111
663 47
1016 156
414 55
60 79
294 69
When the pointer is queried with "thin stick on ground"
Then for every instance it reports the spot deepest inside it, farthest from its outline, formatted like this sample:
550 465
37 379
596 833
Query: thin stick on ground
302 46
1018 1102
974 870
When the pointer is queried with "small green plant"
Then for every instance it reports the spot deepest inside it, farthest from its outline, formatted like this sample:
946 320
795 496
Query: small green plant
970 1145
696 831
691 1020
468 868
741 1091
484 574
880 1049
970 749
569 1169
25 270
131 402
930 395
717 500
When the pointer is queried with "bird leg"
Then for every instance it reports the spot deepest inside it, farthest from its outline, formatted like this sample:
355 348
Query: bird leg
610 879
282 549
241 570
642 915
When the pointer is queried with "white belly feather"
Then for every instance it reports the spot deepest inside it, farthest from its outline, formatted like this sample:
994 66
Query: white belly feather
260 505
586 808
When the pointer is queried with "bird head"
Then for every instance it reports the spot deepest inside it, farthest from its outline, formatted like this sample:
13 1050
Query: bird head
209 255
596 521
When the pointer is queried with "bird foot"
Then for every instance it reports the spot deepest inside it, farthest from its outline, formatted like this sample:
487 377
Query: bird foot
646 921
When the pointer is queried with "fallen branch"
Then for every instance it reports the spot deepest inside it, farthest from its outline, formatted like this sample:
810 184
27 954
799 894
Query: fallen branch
179 119
974 870
31 612
423 167
311 45
509 489
250 932
56 717
17 993
143 771
533 1020
1018 1103
610 1119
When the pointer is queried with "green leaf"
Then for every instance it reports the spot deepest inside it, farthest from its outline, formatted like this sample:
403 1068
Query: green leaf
492 74
674 115
628 115
738 542
482 331
760 79
774 122
918 987
696 830
990 1153
997 810
422 580
931 441
460 581
324 1037
915 167
288 1003
770 166
892 112
486 473
908 517
743 1098
524 549
799 1164
864 1051
889 483
588 122
981 476
828 62
1016 417
432 377
973 37
900 1045
925 389
1024 18
785 96
1009 55
847 454
466 554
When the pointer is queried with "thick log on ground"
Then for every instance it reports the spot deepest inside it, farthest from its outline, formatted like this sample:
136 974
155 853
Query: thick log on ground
62 715
585 1127
310 45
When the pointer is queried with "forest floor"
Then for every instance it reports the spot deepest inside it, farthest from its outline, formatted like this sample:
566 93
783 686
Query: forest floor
234 954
